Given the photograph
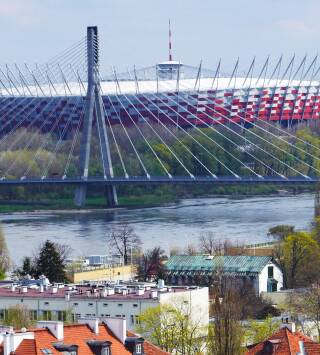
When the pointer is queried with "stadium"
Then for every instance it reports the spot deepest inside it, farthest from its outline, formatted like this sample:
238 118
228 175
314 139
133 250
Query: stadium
52 96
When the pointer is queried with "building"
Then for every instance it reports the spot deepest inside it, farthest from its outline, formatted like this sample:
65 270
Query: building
285 342
111 273
90 336
261 271
121 300
170 92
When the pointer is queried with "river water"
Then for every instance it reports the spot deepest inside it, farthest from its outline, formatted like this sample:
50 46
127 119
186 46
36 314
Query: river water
244 220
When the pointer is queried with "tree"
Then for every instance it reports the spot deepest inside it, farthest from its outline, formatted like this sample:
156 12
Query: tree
294 255
171 327
281 231
5 261
307 304
123 240
226 334
259 331
50 263
151 264
207 243
27 268
18 317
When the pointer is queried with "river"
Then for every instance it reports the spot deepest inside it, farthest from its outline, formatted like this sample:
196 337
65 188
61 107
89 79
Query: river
244 220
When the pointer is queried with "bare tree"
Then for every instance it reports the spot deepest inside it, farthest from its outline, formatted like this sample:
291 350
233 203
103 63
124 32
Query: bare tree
209 244
123 240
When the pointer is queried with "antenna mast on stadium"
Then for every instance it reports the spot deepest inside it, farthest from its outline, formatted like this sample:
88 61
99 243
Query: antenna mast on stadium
94 110
170 43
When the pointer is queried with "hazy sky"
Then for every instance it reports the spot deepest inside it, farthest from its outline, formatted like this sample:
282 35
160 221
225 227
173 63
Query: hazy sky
136 31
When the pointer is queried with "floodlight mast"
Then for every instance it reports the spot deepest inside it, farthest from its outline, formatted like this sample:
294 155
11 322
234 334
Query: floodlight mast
94 110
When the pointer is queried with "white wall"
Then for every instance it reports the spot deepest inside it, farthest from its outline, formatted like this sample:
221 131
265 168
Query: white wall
198 298
263 277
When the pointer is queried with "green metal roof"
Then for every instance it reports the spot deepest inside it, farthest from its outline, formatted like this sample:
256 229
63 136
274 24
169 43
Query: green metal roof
229 264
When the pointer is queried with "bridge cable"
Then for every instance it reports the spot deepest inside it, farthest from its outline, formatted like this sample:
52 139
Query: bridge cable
257 146
219 145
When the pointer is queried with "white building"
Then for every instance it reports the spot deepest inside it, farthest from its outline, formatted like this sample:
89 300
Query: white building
119 300
261 271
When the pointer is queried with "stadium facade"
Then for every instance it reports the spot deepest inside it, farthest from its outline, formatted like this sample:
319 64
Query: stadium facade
170 92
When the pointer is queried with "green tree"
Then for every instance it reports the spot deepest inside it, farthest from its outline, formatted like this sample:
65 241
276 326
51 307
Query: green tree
281 231
172 328
50 263
259 331
18 316
294 255
27 267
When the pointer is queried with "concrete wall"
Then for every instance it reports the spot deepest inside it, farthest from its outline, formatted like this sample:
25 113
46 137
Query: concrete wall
263 277
125 273
196 302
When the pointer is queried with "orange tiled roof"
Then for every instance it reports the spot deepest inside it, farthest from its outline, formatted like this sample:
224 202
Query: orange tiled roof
78 334
286 343
149 348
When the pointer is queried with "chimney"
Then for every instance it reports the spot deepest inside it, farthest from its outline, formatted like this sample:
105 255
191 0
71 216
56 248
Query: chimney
118 326
55 327
13 288
301 348
12 340
24 289
160 283
54 289
92 322
41 288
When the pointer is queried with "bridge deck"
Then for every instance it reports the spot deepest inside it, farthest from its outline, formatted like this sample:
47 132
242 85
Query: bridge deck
223 180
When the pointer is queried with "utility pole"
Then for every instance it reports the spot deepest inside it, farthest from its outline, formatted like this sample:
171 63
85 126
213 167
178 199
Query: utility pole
94 110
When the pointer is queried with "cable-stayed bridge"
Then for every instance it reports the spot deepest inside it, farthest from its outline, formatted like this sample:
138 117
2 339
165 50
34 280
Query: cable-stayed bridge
168 124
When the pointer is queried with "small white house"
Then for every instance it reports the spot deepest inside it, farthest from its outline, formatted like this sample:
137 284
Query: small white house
261 271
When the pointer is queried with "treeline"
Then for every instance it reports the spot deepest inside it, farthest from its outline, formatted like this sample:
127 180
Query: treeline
219 151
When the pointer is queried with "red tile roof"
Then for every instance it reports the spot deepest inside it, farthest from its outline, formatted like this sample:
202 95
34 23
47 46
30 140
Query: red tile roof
78 334
150 348
285 343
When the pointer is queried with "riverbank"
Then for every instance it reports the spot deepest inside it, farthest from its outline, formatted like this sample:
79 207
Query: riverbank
159 197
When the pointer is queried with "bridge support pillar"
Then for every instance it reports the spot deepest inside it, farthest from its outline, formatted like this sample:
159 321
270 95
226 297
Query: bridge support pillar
94 109
80 196
111 196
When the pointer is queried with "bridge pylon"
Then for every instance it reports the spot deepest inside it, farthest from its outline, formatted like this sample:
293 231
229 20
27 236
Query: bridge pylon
94 110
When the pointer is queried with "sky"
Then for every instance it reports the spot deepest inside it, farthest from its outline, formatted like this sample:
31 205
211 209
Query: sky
135 32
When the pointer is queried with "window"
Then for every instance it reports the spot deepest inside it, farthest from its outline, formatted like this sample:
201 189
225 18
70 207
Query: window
120 304
105 351
270 272
90 304
132 318
47 315
46 351
105 305
62 315
138 349
46 303
137 319
76 304
33 315
118 315
2 314
135 305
